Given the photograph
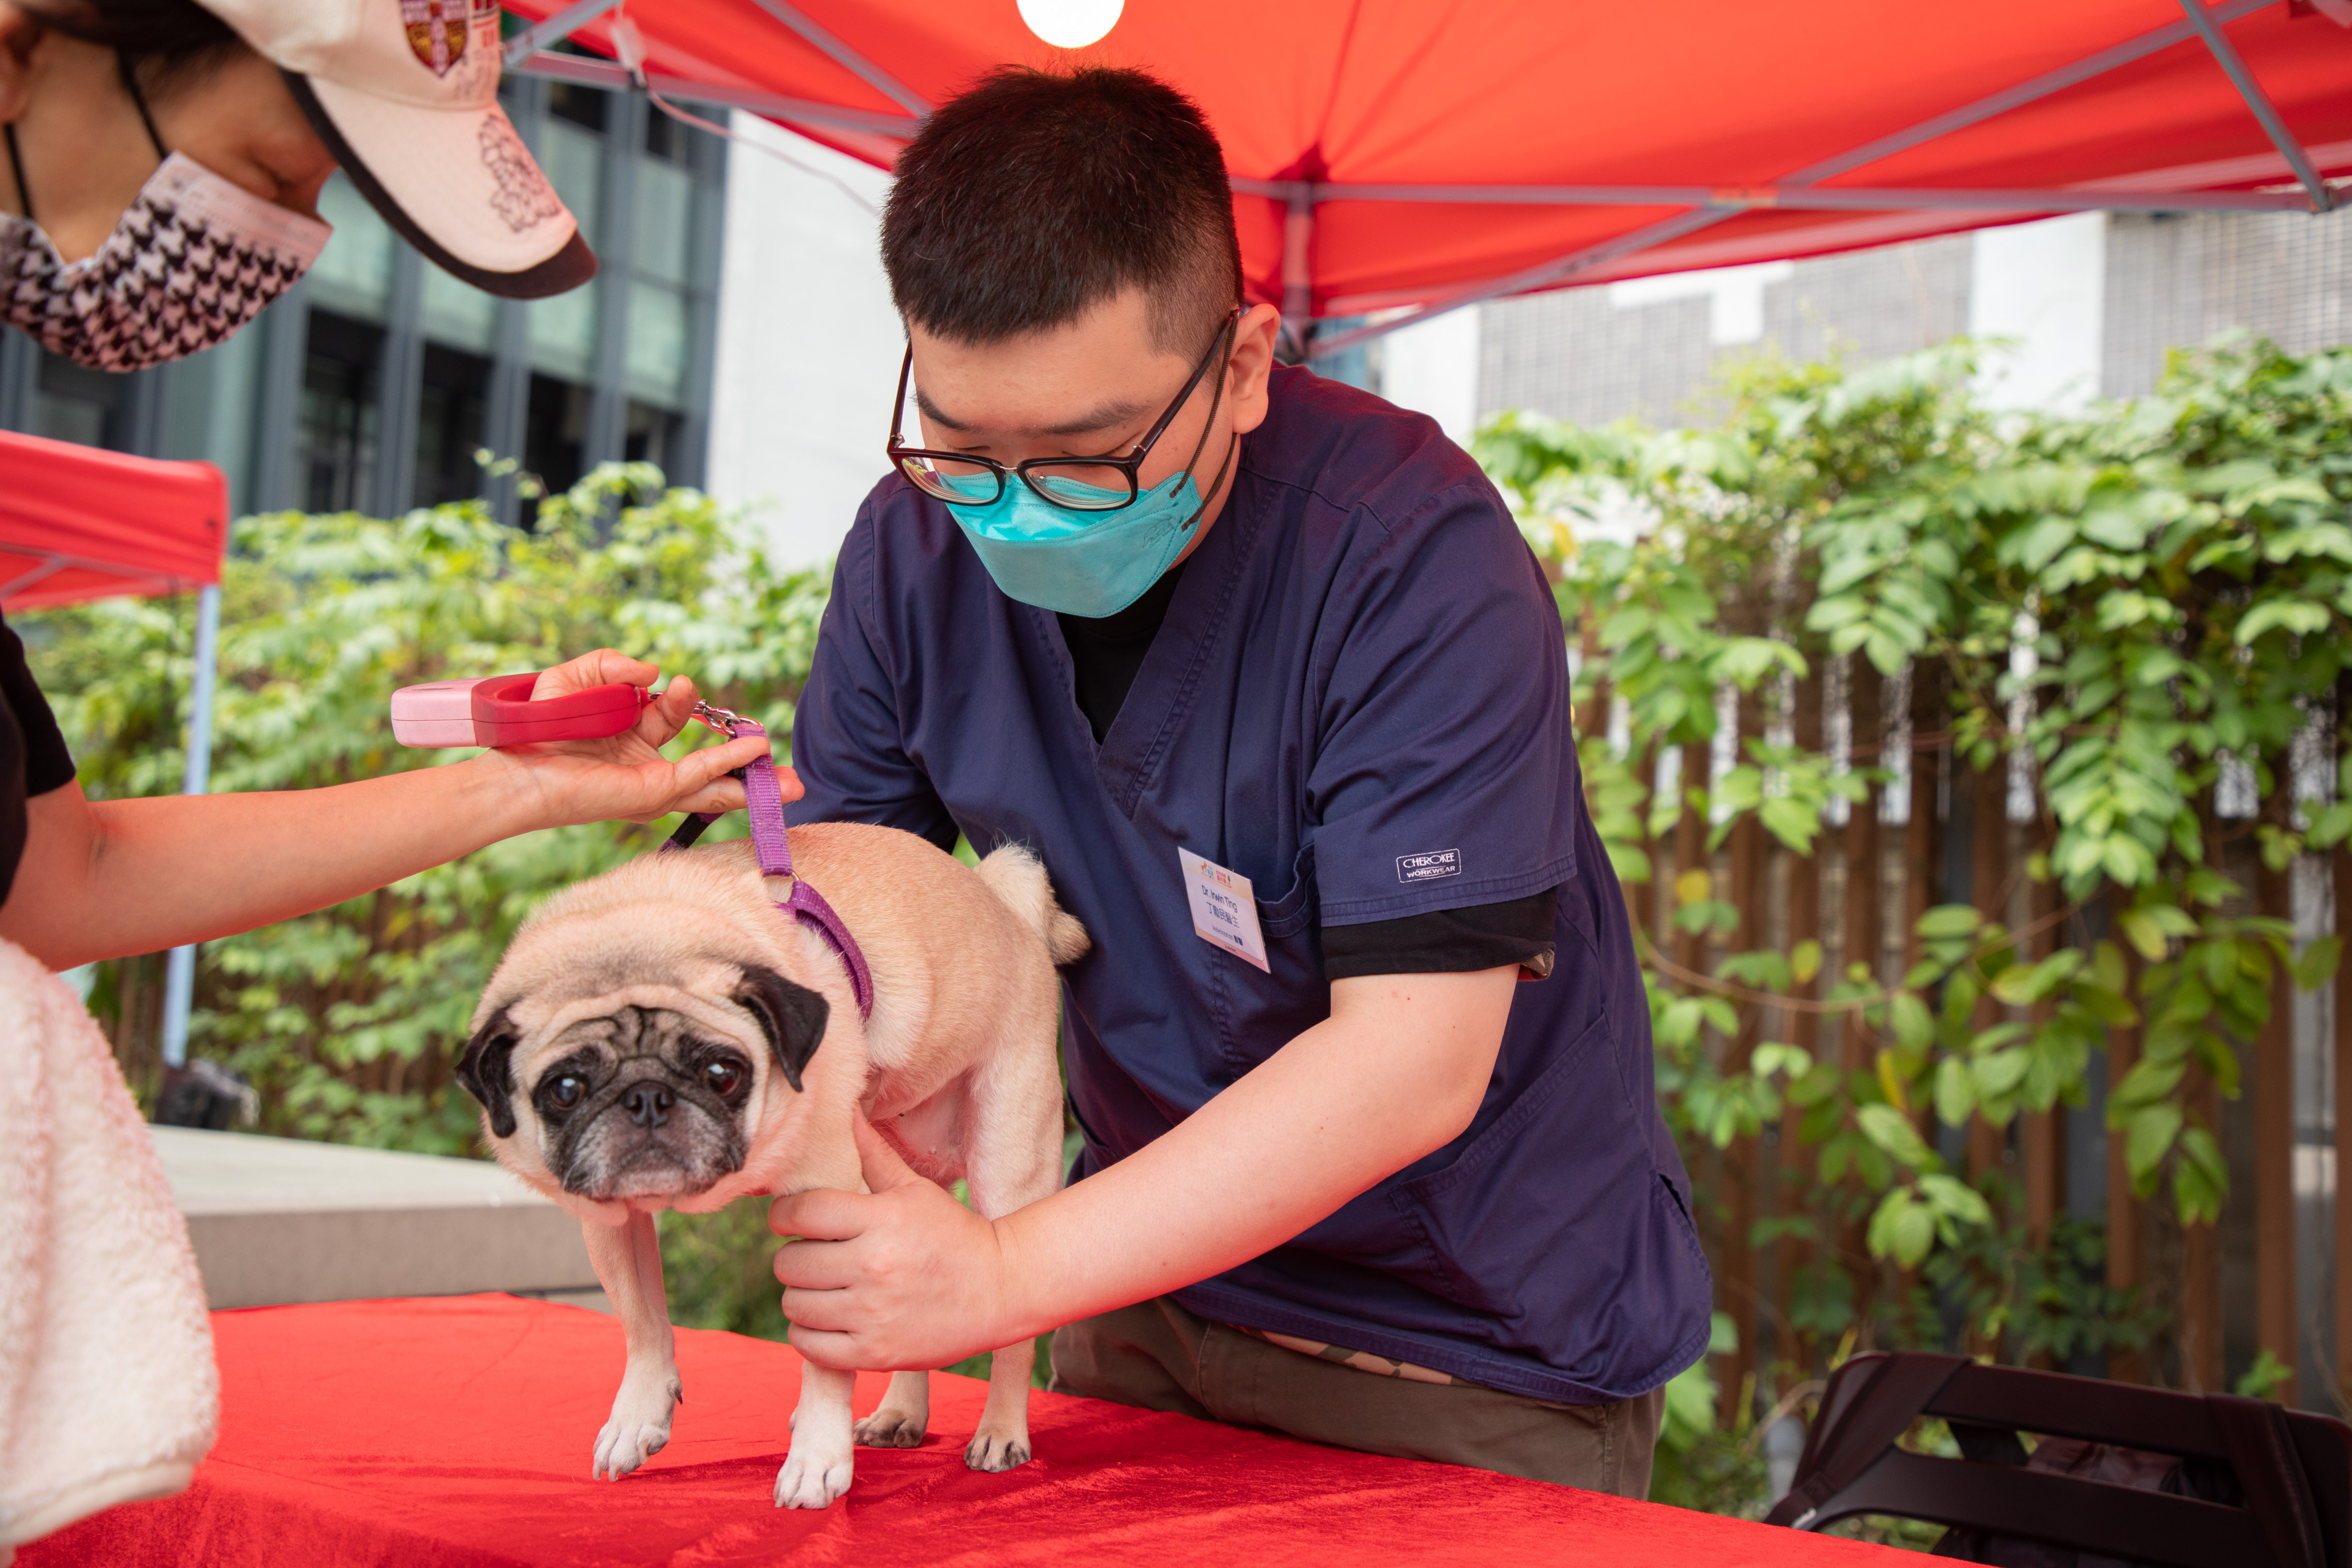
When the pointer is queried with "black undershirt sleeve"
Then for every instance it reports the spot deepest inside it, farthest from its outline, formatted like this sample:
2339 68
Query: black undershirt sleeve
1107 653
1449 941
33 755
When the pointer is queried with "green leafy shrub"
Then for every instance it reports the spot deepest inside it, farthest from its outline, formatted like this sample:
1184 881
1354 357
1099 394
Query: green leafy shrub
2161 589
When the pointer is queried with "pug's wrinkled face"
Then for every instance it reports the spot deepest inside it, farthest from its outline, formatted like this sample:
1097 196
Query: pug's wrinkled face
636 1100
635 1104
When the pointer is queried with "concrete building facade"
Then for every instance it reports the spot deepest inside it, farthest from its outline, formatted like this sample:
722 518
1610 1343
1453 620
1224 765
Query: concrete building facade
2090 304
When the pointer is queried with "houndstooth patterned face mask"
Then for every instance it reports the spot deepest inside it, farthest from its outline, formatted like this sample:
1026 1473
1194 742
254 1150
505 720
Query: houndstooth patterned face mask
195 259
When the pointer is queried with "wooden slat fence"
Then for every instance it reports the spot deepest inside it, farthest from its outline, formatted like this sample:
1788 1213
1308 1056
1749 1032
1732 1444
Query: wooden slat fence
1946 832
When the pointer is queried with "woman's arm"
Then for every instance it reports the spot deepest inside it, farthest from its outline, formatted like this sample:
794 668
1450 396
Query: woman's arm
102 878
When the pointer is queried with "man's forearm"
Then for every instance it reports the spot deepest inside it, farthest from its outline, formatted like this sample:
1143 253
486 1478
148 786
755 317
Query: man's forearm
104 878
1397 1071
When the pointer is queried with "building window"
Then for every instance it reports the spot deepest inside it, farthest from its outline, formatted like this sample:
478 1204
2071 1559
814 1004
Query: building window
581 106
336 450
353 277
555 432
563 329
451 415
653 435
660 307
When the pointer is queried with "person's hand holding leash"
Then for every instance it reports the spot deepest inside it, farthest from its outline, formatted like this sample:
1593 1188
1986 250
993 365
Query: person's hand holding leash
575 781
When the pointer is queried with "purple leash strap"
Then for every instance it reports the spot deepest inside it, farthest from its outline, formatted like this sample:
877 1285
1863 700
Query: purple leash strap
763 803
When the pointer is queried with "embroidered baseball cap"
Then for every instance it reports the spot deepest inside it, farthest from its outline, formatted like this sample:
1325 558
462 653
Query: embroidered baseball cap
405 94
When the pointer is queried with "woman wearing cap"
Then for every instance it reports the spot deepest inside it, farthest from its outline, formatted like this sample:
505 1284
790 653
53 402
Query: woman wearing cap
163 162
161 185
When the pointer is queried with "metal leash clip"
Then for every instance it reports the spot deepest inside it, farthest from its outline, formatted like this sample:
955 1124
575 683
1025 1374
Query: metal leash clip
727 723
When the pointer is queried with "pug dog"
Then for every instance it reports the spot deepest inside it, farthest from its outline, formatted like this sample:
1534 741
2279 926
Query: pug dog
665 1036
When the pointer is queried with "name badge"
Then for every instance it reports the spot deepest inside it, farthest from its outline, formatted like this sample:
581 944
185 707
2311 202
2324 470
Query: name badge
1225 912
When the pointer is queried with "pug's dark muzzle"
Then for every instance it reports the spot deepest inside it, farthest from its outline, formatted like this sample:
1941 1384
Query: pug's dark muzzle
645 1125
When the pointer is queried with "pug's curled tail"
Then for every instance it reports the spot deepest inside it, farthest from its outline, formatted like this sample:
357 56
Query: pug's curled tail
1014 875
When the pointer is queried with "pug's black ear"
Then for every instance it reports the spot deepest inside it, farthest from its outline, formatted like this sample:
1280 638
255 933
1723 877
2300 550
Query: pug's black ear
486 1069
792 1017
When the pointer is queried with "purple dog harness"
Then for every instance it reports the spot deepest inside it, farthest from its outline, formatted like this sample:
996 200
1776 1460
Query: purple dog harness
763 803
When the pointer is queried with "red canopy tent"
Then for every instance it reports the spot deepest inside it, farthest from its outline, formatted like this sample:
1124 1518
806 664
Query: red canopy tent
79 523
1405 156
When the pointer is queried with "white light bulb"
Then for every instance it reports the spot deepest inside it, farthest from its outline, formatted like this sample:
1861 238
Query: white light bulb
1071 23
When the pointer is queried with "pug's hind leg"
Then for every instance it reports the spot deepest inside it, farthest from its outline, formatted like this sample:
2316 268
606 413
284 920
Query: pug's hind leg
1016 1102
817 1468
1005 1174
1002 1440
905 1413
628 1262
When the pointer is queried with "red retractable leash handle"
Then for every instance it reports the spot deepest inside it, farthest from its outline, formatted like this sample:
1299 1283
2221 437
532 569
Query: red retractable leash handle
497 710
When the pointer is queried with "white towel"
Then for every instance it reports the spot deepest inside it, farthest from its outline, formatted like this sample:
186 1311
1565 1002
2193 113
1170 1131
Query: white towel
108 1390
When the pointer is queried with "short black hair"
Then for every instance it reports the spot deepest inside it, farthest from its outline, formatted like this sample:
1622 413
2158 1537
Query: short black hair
1035 195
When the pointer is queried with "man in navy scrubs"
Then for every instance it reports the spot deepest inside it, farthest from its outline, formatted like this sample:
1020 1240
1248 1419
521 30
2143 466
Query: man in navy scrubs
1243 652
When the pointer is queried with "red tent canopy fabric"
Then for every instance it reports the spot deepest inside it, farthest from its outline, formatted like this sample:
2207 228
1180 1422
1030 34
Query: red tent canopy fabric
79 523
1392 153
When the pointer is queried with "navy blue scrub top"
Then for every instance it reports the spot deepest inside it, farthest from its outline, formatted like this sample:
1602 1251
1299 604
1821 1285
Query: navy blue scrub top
1358 700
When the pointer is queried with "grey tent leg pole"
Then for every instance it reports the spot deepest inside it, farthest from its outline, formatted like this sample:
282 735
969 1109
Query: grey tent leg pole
180 978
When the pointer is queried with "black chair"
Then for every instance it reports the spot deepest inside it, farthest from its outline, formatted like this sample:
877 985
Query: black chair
2257 1486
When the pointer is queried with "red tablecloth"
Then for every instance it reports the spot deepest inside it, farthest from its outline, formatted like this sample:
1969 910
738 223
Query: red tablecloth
456 1432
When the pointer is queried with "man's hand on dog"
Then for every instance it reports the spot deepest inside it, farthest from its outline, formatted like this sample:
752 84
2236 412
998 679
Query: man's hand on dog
624 777
900 1277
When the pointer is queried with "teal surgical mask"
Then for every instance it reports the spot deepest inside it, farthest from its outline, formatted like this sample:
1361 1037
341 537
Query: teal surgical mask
1089 563
1049 532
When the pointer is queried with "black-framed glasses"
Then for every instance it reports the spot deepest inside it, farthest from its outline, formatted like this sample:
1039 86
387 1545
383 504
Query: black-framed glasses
1073 484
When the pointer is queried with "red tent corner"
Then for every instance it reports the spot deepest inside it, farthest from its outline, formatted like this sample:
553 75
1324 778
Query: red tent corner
79 523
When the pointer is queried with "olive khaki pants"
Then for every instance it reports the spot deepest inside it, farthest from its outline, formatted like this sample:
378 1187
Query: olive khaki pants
1157 1355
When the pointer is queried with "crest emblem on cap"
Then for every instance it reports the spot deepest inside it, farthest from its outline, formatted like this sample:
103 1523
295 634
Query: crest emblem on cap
437 32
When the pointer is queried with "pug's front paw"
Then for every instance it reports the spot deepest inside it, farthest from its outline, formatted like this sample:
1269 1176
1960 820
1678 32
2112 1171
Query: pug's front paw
992 1450
638 1427
813 1475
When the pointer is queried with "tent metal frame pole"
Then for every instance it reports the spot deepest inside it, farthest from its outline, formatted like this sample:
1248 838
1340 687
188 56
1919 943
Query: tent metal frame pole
849 59
1299 273
554 29
55 561
180 976
1548 272
2023 94
1959 119
51 564
588 71
1791 197
529 53
2225 54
